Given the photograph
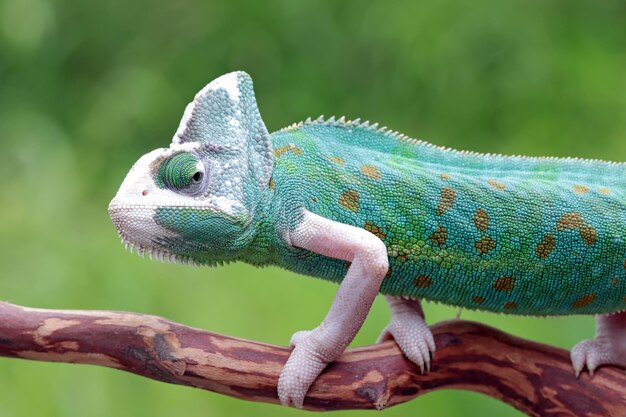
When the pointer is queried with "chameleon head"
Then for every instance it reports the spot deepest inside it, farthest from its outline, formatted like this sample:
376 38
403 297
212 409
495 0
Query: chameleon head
195 201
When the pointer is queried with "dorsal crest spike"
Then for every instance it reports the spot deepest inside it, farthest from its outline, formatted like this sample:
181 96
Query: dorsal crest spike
385 131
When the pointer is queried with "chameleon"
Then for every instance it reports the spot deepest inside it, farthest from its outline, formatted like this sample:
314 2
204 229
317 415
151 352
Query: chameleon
379 212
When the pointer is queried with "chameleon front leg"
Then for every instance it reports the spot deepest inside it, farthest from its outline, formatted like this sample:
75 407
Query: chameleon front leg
607 348
408 328
316 348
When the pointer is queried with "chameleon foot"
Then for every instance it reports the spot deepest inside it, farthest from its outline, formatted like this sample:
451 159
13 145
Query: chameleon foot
408 328
607 348
308 359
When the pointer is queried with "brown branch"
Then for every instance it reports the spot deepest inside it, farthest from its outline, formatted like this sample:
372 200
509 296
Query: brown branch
537 379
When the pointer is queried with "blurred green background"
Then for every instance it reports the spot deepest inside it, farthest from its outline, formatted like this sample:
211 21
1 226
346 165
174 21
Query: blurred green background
86 87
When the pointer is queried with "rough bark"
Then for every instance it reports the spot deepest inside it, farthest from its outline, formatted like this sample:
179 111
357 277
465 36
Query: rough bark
535 378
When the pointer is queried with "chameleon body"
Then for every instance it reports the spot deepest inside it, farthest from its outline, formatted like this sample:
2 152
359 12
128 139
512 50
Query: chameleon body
519 235
377 211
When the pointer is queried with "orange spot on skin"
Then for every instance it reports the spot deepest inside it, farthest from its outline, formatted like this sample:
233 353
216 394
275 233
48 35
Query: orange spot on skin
445 176
604 191
349 200
585 300
485 244
287 148
271 184
481 219
496 185
588 234
439 236
510 305
580 189
574 220
546 246
336 160
375 230
504 284
446 200
370 171
423 281
478 299
569 221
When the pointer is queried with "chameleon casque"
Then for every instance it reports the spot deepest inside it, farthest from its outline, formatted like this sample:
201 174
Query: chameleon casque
377 211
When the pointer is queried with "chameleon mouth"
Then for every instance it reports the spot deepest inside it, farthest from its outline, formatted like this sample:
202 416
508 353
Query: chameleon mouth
156 253
139 232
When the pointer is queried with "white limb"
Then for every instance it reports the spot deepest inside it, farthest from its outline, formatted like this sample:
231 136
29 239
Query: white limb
408 328
314 349
607 348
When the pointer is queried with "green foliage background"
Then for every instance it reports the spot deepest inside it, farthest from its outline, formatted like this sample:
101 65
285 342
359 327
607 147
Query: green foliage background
86 87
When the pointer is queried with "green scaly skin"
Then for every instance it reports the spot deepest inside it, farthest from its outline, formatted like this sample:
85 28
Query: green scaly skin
518 235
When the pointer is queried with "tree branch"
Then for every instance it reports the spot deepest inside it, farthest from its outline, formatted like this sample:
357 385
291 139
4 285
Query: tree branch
535 378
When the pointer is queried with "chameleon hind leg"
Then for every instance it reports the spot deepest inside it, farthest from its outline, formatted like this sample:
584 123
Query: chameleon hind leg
314 349
607 348
408 328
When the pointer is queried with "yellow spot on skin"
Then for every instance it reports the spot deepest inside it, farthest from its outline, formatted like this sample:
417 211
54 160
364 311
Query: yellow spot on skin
349 200
485 244
445 176
588 234
423 281
580 189
446 200
439 236
546 246
585 300
287 148
510 305
569 221
614 282
478 299
375 230
271 184
313 199
496 185
370 171
604 191
336 160
504 284
481 219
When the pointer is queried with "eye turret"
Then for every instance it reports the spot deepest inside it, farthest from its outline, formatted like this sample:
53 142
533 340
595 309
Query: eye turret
182 172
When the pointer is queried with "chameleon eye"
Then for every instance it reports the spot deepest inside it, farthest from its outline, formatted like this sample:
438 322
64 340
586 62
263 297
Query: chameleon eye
180 172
